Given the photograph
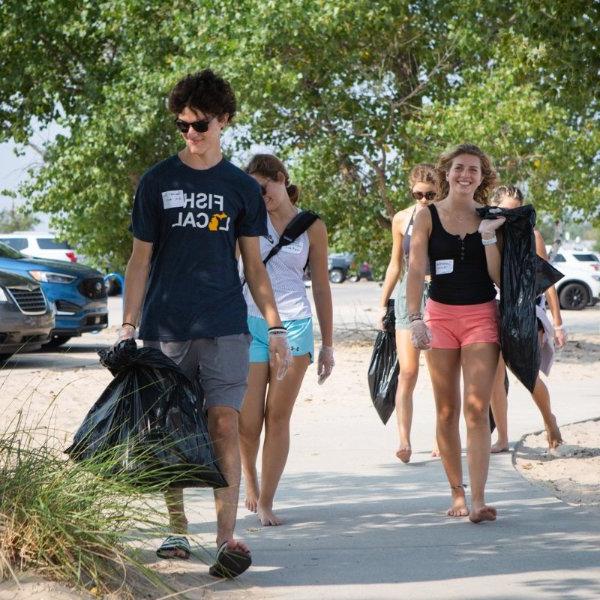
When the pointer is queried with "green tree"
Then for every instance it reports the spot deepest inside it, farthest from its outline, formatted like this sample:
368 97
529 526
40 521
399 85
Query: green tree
350 93
13 219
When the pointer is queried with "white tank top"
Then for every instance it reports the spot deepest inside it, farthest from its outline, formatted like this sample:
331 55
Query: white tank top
285 270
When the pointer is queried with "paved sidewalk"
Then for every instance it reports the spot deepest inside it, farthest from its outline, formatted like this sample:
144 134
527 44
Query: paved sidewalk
361 525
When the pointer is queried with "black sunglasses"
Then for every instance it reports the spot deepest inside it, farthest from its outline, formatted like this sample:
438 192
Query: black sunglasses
200 126
420 195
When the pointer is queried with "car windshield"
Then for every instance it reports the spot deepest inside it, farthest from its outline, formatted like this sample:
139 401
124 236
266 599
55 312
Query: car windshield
587 257
8 252
52 244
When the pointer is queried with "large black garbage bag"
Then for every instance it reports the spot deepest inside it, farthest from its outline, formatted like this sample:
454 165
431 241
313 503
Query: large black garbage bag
383 368
148 425
524 276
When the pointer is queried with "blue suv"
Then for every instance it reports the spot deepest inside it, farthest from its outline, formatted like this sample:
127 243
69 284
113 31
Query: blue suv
77 292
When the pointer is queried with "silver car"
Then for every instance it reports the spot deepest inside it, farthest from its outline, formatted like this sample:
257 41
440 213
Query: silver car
26 318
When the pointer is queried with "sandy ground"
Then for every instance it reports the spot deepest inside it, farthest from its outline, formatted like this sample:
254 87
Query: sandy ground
58 388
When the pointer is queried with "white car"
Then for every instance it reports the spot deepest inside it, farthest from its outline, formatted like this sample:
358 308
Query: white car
576 258
39 245
580 286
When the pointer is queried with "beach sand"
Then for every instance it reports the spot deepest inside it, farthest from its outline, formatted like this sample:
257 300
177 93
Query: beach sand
57 389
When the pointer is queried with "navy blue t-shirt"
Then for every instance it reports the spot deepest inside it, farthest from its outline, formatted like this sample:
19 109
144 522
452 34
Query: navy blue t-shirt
193 218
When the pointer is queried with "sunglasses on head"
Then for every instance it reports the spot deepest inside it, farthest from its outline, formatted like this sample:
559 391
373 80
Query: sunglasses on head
201 126
420 195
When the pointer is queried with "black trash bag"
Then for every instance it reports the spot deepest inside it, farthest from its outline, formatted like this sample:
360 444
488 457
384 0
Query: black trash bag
545 275
148 425
383 368
523 277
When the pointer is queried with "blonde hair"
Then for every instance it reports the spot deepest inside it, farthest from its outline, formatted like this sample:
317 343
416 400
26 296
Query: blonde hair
506 191
487 170
422 173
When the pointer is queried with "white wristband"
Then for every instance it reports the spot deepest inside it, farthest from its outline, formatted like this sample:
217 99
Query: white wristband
558 326
489 242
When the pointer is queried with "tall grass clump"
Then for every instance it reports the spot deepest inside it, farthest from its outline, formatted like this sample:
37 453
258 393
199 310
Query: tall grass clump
64 521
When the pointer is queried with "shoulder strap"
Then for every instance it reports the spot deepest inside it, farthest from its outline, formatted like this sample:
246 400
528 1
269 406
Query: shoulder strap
293 230
435 217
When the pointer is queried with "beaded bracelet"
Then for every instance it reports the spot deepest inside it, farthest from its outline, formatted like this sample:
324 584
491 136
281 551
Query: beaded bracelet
130 325
489 242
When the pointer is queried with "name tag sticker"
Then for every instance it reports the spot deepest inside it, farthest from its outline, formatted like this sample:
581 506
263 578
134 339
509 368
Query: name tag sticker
173 199
443 267
294 248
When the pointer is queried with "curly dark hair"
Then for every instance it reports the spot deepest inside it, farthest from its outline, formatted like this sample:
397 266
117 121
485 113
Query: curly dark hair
487 170
203 91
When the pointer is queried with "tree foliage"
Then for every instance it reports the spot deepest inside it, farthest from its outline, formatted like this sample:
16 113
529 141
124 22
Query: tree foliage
351 93
13 219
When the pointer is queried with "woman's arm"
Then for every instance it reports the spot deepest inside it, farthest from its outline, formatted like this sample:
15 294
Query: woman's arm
488 229
417 265
394 268
317 259
319 274
551 295
417 261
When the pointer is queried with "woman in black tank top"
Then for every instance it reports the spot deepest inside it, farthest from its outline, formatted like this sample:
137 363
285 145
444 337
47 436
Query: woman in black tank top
422 180
459 327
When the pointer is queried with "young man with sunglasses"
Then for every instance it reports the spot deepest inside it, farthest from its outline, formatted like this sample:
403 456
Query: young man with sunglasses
183 288
422 181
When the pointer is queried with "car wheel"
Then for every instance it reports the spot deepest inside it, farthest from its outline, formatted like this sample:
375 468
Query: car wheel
573 296
56 341
337 276
354 278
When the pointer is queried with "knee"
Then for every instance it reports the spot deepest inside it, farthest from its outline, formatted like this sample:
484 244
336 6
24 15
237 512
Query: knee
277 419
250 431
448 416
477 416
408 376
223 423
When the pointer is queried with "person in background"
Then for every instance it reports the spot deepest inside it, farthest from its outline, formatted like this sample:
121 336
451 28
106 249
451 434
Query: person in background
269 402
422 181
460 325
550 335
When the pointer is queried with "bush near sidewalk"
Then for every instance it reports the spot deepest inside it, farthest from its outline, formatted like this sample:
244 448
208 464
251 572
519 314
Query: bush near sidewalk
65 522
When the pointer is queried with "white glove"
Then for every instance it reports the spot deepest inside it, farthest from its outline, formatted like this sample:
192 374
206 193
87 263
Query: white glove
325 363
420 334
126 332
280 355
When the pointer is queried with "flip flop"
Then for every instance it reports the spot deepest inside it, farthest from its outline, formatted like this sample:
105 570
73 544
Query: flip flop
173 544
229 563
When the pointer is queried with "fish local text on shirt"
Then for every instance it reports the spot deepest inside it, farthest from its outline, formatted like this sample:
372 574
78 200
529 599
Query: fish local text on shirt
215 222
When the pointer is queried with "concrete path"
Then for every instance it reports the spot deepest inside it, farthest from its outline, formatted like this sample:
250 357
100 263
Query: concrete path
361 525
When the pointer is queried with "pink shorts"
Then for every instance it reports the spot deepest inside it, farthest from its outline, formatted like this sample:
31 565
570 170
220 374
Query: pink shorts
457 325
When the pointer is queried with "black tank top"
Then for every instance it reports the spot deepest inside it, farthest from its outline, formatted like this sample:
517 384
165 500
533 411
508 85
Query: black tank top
458 266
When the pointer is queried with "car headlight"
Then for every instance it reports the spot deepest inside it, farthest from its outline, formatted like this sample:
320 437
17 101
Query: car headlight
3 296
596 276
48 277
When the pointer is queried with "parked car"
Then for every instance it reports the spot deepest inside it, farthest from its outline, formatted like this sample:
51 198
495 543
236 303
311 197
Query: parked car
363 272
39 245
580 286
340 265
576 258
26 318
76 291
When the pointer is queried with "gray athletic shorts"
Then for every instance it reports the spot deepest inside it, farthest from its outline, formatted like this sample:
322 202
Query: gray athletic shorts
219 364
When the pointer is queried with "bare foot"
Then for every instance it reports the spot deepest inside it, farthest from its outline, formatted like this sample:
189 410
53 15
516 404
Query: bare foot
251 501
459 506
482 512
435 452
267 517
404 453
553 434
499 447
